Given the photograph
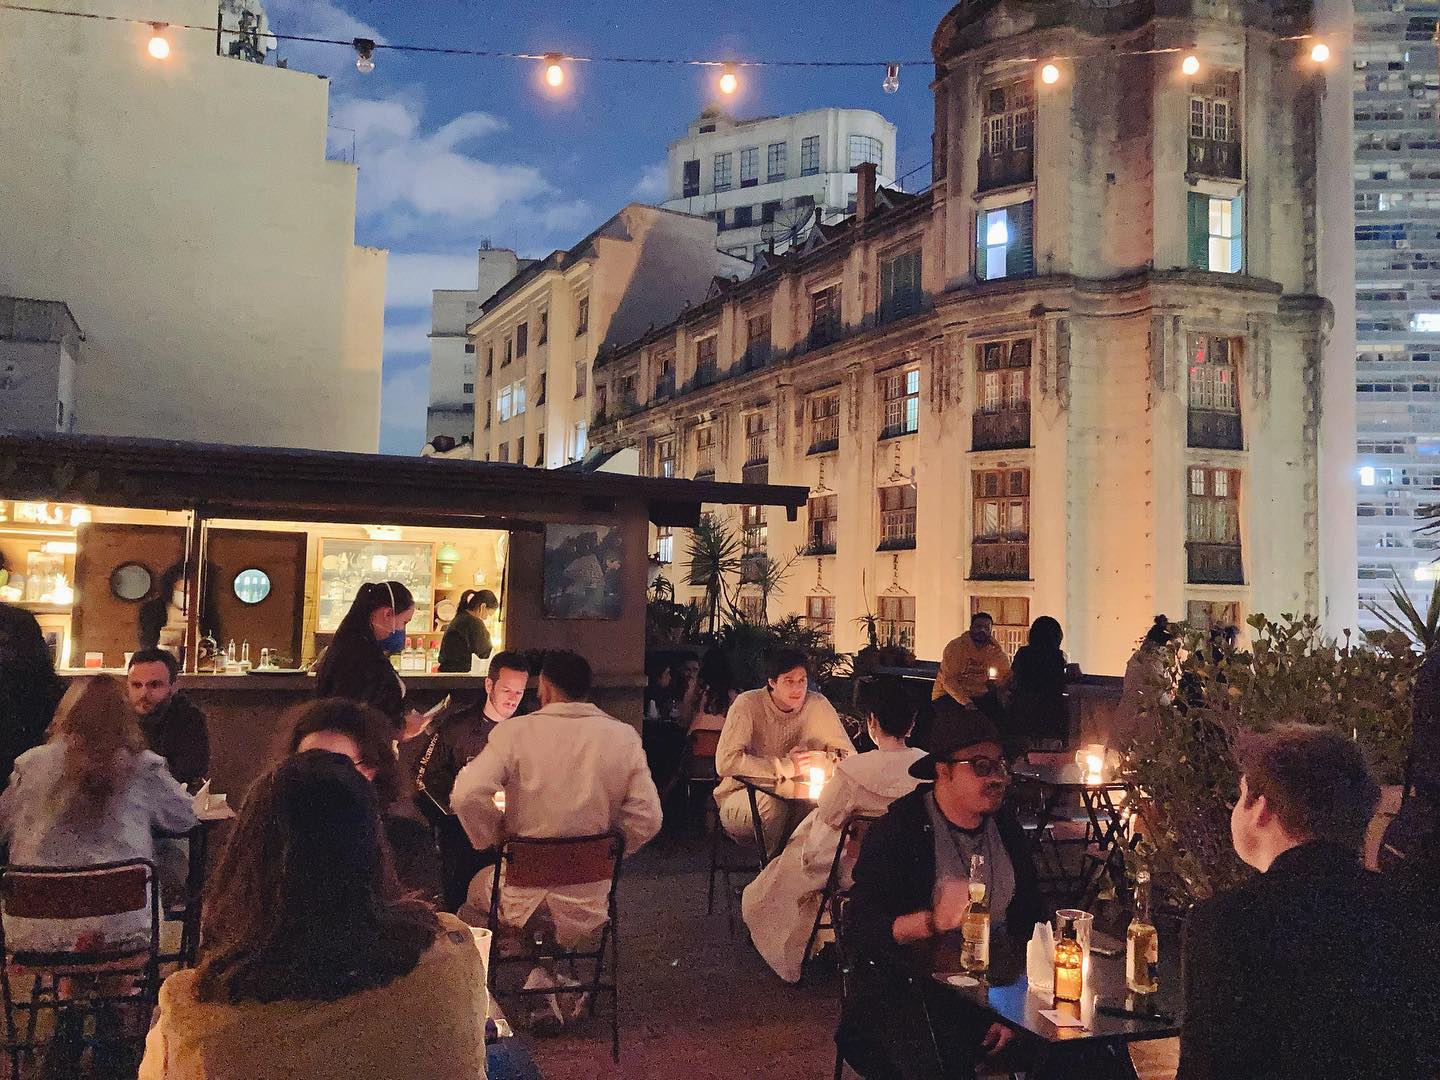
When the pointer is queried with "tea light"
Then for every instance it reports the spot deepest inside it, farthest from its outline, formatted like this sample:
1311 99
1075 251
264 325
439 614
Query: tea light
817 776
499 801
993 672
1094 764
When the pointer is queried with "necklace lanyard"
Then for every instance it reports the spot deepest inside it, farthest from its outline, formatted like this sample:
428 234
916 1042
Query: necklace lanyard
982 846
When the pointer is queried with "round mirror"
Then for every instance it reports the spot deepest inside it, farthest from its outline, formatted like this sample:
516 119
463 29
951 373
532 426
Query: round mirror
130 581
252 586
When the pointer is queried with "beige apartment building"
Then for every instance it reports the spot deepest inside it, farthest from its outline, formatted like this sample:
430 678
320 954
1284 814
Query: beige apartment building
536 337
1082 375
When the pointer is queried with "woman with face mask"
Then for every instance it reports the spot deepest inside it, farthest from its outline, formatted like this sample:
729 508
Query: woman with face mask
357 665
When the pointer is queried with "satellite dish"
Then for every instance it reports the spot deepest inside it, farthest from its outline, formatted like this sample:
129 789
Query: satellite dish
788 227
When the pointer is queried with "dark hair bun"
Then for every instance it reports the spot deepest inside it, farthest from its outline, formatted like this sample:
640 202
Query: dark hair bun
1161 620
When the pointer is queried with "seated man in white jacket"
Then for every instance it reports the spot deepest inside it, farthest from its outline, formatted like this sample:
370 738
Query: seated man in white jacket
779 906
568 769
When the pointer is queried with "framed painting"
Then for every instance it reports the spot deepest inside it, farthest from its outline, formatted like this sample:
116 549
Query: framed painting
582 572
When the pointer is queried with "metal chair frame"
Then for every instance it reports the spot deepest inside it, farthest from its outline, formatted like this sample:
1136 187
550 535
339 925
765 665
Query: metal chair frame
607 949
854 828
188 915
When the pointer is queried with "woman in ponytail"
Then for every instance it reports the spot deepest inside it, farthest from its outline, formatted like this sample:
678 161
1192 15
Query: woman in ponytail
1149 679
357 665
91 794
467 635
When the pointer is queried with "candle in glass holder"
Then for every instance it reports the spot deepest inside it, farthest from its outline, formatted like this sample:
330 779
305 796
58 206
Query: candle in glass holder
1094 765
816 776
499 801
993 672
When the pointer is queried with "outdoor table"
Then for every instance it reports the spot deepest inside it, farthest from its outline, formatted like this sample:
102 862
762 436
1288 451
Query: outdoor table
198 840
1105 811
790 790
1099 1050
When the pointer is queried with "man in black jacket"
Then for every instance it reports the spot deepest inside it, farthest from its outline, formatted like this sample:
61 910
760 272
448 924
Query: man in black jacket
174 728
29 688
909 897
1312 969
456 743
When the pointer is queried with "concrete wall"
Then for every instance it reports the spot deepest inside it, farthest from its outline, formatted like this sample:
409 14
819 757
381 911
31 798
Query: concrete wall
186 212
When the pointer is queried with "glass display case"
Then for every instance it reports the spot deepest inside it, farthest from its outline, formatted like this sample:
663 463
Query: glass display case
345 565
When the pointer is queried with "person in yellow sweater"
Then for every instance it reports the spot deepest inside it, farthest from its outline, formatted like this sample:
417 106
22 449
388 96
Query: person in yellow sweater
972 666
779 730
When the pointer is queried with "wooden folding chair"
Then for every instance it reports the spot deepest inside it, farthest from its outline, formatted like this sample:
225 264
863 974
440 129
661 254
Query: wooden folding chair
847 850
553 863
107 975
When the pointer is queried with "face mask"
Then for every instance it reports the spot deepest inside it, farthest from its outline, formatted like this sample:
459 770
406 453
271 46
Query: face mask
394 641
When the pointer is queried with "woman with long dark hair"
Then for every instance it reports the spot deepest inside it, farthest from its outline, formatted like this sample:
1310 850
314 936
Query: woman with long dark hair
467 635
710 695
314 964
356 665
1038 707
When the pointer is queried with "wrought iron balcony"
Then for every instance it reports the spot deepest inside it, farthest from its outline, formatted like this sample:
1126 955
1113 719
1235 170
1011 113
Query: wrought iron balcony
1005 169
1215 564
822 538
1213 430
757 449
1211 158
897 529
1000 560
1005 429
893 632
665 387
824 434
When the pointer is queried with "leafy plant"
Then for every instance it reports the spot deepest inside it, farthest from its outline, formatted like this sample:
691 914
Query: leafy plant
1182 761
768 576
714 555
1406 619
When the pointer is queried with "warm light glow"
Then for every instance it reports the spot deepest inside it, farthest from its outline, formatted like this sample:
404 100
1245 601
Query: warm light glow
499 801
554 71
58 547
812 791
379 563
79 516
159 45
1050 74
1320 52
1190 65
1367 475
817 775
1094 764
729 81
993 672
62 593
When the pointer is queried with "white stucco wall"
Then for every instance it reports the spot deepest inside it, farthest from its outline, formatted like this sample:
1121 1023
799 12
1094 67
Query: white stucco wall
186 212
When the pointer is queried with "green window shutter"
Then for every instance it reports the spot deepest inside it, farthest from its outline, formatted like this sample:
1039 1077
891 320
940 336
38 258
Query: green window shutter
1020 252
1199 230
1237 243
887 286
980 246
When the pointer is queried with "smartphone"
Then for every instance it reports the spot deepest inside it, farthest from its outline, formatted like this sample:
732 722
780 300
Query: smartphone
440 706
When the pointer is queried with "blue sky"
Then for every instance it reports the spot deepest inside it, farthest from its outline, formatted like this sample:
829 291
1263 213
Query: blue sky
455 150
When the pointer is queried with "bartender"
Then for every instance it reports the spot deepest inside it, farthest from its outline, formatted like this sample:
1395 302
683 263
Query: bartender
467 638
357 665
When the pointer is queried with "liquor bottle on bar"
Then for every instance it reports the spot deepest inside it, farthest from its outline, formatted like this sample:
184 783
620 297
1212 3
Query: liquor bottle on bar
1142 941
975 929
1069 966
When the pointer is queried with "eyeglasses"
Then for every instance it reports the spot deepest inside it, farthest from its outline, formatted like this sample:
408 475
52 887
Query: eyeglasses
983 766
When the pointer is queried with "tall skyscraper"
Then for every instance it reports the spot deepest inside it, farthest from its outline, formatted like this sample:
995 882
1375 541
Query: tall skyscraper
1397 292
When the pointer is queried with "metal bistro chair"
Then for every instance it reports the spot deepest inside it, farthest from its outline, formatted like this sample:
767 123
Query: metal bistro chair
62 893
727 858
553 863
847 849
186 909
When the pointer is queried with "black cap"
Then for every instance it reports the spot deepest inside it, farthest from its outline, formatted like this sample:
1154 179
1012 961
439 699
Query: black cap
955 727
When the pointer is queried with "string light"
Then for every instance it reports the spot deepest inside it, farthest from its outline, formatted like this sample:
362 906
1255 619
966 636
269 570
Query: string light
1049 74
892 79
159 46
364 55
554 70
1320 52
729 81
1191 64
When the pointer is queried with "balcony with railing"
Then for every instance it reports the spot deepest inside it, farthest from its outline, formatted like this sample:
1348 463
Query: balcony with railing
897 529
824 434
821 538
753 541
1209 157
757 449
1001 429
825 331
893 632
705 461
1000 559
1214 564
1007 168
665 387
1214 430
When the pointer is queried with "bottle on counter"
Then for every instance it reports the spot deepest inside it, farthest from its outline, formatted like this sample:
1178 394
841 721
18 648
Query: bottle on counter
975 929
432 656
230 662
264 659
245 655
1142 941
1069 965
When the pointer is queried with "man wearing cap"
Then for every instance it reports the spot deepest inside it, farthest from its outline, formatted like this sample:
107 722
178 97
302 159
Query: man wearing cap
903 918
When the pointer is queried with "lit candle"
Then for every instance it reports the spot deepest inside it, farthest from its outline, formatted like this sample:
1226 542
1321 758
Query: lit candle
500 801
993 673
1094 763
817 776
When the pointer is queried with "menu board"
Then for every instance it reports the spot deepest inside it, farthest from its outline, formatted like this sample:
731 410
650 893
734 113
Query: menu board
345 565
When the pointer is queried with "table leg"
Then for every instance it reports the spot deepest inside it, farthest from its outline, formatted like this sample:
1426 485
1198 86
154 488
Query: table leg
1088 1061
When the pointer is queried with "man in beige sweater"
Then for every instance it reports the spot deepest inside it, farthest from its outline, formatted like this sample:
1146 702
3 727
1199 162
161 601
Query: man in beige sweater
780 730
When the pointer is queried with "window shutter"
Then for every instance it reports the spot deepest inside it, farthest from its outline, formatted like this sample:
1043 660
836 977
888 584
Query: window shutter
1237 227
1199 230
1020 252
980 246
887 286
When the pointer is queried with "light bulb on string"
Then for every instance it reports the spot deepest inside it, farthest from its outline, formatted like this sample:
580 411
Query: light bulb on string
1320 52
364 55
554 70
892 79
159 46
1050 74
1191 64
729 81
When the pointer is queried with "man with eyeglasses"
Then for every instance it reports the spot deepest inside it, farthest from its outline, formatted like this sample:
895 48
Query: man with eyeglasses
902 921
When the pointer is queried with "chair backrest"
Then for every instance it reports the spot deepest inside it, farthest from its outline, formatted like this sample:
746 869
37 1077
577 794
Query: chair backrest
853 834
554 863
704 742
45 892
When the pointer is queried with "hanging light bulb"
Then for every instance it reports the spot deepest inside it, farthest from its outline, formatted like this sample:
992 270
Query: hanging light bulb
892 79
1191 64
1049 74
364 55
729 81
159 46
1320 52
554 70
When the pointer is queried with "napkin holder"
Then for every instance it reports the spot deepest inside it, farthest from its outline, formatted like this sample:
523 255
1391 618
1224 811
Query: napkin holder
1040 960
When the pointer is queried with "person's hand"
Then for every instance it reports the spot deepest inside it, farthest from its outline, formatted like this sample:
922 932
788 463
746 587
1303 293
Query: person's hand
996 1039
415 722
804 760
950 904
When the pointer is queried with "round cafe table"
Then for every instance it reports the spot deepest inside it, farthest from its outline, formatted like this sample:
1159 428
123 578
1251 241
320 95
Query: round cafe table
789 790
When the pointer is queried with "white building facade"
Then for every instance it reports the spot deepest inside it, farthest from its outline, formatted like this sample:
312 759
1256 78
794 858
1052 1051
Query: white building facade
762 181
1081 376
186 213
452 354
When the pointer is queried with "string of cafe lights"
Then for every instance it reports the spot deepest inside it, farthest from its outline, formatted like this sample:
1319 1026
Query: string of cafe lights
554 72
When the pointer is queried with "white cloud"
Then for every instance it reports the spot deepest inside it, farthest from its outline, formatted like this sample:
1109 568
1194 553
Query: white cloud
407 336
404 399
410 277
407 173
652 183
569 216
324 19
